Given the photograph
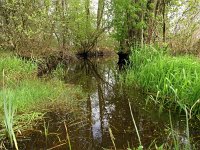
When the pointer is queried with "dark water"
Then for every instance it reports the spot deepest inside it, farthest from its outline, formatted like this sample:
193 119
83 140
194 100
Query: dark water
107 108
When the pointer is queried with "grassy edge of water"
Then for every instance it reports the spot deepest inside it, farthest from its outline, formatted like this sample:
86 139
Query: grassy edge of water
30 96
170 81
173 81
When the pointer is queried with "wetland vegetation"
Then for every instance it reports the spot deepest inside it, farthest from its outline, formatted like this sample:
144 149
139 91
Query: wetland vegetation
100 74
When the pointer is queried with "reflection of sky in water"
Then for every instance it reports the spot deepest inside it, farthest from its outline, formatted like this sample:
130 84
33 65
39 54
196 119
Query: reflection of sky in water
109 79
109 109
96 126
101 123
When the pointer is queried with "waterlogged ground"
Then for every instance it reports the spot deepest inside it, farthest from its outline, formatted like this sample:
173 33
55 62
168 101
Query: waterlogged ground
106 108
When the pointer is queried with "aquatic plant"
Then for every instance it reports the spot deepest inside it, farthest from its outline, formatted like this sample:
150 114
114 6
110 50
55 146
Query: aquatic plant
9 120
169 79
112 138
9 115
133 119
174 141
67 136
177 144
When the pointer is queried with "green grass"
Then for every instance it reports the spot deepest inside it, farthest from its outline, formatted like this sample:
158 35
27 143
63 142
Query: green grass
31 96
12 64
30 92
172 80
16 70
26 89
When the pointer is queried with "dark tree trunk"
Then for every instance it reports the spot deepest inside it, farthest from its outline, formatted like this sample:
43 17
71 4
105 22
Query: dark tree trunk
164 23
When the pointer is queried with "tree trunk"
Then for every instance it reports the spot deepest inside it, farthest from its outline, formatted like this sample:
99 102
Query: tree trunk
63 21
164 23
100 10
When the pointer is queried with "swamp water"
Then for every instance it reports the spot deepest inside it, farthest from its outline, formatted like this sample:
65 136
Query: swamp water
106 107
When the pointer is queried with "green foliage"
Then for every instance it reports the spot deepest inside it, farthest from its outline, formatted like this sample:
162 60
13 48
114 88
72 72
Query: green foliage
82 25
76 25
43 25
23 24
126 18
174 79
184 26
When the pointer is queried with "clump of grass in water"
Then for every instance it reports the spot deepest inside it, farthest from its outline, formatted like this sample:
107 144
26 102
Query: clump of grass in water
175 78
176 141
9 120
9 116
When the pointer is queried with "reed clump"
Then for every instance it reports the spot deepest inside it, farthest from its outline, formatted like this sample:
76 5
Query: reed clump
172 80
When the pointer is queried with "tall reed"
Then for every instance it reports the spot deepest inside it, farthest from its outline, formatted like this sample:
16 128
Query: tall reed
9 115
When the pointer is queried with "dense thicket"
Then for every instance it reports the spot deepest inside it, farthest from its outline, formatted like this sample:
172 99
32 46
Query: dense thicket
43 24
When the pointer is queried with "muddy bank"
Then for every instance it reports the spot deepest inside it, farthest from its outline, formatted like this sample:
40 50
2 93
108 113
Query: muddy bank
66 54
